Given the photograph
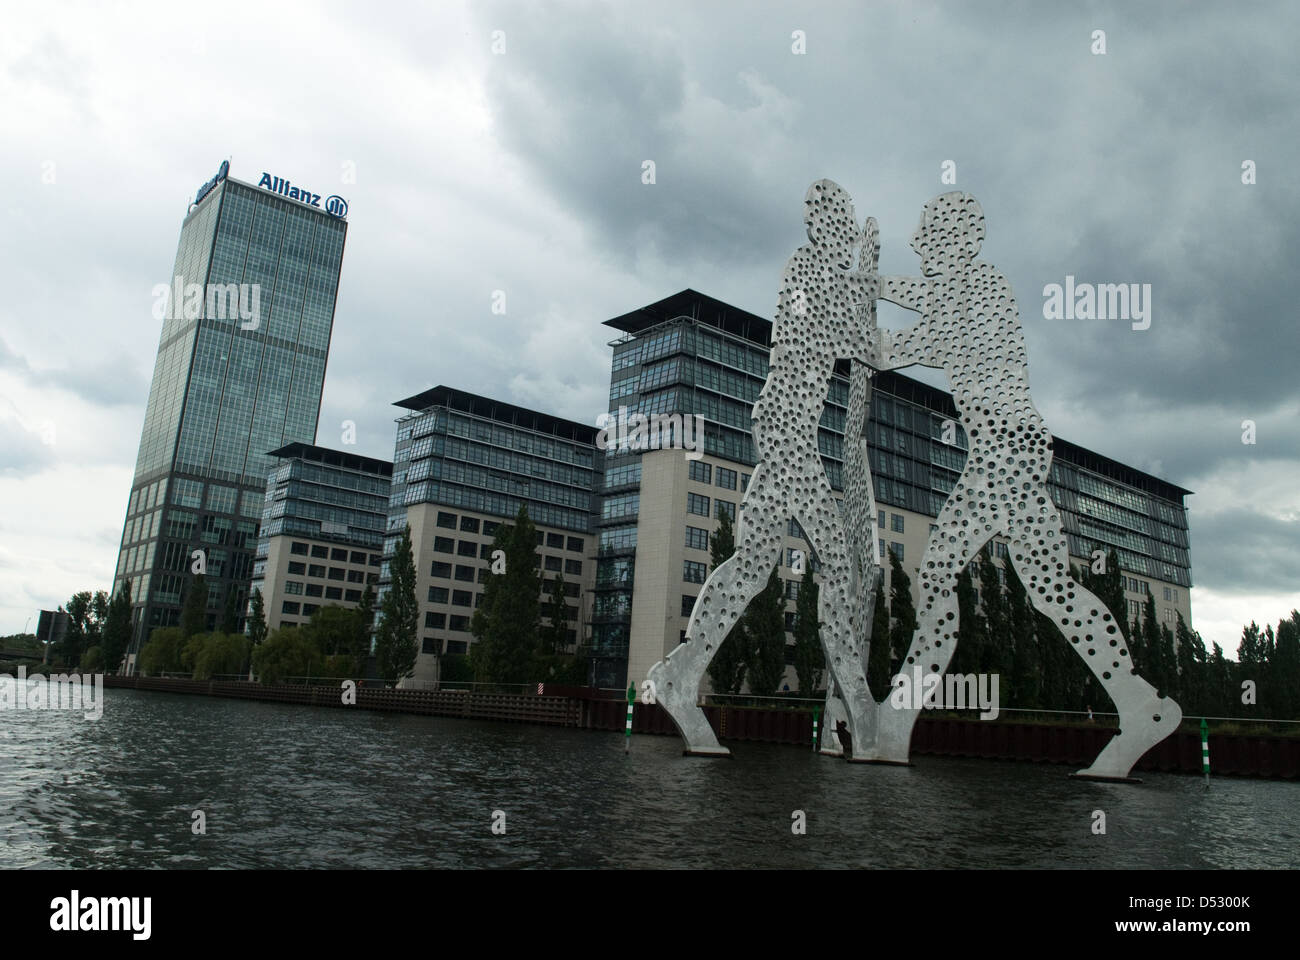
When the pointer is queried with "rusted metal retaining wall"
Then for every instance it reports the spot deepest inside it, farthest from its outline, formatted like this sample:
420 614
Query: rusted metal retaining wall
1236 755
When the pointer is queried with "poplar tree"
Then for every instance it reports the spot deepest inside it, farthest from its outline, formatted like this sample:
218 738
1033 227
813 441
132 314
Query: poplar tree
902 610
878 678
194 612
117 629
555 636
1025 660
809 658
727 669
396 643
765 625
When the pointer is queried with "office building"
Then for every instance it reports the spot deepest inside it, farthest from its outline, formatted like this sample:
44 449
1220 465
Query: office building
239 371
691 354
462 465
322 531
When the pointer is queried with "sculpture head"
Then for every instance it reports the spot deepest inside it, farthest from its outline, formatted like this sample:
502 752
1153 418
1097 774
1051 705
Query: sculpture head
950 233
829 217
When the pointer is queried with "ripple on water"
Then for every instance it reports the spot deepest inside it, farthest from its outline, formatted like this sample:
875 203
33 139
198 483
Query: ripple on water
285 786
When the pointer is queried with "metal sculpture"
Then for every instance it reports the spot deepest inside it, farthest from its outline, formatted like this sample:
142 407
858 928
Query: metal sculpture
970 328
818 321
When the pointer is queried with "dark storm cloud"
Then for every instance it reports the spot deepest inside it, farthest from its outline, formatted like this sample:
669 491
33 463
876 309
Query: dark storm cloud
1238 549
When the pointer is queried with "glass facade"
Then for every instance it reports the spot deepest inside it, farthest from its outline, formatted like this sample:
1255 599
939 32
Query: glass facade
226 390
691 354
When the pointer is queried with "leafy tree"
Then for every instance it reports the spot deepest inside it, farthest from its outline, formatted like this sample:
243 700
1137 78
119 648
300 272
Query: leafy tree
162 652
555 636
507 624
365 624
809 658
257 619
117 630
878 678
219 653
230 616
334 629
765 625
1157 668
998 650
727 669
1220 681
86 613
902 610
194 611
1025 661
1173 682
1286 661
395 644
1191 668
92 661
971 638
287 652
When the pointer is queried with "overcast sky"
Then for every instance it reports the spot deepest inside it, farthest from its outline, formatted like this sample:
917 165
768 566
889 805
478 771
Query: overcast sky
521 171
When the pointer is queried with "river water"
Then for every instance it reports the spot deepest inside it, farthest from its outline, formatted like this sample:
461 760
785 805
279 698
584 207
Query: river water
290 786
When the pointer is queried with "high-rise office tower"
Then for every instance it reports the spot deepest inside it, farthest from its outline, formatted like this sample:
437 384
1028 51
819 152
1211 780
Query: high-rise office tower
247 317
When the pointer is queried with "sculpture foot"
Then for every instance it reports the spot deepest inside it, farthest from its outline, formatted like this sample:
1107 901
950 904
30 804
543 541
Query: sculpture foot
1138 733
679 701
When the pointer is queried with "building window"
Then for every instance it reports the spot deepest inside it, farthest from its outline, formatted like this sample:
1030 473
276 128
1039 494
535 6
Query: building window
358 556
338 573
289 607
375 559
440 570
460 623
315 570
482 575
339 556
575 544
333 593
461 598
437 594
1168 597
744 481
467 548
693 572
555 541
489 530
435 621
897 520
319 552
430 645
897 550
465 573
725 507
298 549
541 538
299 568
309 608
444 545
352 596
688 604
356 576
700 471
789 621
469 524
457 647
553 563
315 590
447 520
573 567
697 539
880 519
292 587
726 478
697 504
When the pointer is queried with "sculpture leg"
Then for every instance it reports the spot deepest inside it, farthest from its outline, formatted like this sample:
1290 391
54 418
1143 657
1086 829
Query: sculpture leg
726 594
817 513
949 551
1145 718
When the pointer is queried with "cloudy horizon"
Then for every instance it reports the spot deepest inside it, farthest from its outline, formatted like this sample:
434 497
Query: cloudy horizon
485 148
